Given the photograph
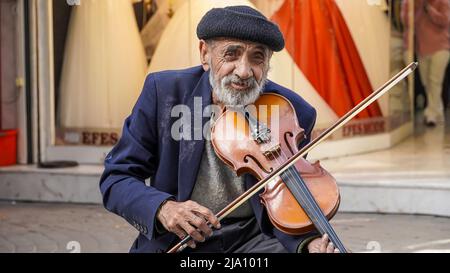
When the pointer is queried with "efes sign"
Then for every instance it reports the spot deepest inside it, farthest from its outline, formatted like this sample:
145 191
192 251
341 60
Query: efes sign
365 127
88 136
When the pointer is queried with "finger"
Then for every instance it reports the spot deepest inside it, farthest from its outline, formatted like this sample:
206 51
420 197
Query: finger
315 245
191 243
179 232
182 234
336 250
323 244
192 231
208 214
200 223
330 248
315 248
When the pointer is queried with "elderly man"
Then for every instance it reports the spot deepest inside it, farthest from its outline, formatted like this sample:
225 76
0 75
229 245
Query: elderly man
189 183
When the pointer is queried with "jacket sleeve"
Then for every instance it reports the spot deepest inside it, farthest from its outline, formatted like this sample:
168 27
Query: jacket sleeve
131 162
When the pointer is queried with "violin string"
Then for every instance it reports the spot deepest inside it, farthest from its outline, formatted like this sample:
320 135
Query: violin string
319 223
305 202
322 218
319 214
313 207
330 231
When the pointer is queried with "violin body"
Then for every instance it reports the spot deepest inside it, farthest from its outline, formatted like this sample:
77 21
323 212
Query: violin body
233 138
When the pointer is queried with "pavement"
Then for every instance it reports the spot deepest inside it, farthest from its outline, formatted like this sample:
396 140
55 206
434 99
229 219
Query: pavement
61 227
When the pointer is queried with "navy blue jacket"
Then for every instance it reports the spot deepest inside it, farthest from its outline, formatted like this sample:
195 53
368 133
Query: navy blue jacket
147 150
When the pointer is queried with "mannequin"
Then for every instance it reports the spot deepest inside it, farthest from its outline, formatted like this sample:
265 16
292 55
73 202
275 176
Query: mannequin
151 33
104 65
322 46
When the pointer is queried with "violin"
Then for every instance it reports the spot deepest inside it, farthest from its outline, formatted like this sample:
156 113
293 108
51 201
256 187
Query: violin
302 195
299 196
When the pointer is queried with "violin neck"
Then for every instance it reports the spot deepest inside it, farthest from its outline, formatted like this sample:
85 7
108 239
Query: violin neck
304 197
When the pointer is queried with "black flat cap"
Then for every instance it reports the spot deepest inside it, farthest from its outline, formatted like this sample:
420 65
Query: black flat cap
240 22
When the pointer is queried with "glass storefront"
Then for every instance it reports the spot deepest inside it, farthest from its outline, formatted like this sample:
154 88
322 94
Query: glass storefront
96 55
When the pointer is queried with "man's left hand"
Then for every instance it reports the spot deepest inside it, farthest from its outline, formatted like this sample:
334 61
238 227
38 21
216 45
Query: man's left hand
322 245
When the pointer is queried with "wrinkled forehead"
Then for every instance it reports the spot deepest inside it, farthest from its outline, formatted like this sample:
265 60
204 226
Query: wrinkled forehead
233 43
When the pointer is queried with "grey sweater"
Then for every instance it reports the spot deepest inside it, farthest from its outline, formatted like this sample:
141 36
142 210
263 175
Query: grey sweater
217 185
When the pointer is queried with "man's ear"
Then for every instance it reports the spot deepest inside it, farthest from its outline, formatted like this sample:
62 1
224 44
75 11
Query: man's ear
204 55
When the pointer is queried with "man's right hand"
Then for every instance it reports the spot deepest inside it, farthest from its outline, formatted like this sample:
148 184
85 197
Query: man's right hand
188 217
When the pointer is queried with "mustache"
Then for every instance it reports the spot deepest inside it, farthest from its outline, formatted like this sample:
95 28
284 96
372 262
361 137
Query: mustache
249 83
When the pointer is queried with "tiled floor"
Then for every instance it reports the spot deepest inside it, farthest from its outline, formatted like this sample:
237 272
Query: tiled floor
53 227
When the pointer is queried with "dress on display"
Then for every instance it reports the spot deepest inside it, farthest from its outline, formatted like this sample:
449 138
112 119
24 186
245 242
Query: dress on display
153 29
318 39
104 65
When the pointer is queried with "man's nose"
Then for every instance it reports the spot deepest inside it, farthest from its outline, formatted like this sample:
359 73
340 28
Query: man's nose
243 70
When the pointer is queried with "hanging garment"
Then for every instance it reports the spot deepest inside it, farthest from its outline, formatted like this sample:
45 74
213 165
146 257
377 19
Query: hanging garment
104 65
321 45
151 33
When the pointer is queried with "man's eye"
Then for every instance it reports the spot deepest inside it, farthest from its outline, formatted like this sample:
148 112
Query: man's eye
259 60
259 57
229 54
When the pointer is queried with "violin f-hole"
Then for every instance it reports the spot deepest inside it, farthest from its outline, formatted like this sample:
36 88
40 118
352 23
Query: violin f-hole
246 160
288 143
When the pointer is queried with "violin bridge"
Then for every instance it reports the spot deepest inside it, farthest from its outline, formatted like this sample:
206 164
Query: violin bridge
272 151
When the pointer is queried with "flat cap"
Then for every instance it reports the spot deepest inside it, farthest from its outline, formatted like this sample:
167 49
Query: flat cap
240 22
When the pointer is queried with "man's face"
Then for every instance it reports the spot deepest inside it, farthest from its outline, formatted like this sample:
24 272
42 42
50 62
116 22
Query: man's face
238 70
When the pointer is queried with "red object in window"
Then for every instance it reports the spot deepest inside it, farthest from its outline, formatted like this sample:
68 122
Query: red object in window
319 41
8 147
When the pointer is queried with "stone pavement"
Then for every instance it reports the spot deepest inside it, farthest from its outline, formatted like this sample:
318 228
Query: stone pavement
57 227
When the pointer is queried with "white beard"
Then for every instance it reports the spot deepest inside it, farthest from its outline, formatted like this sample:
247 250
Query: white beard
231 97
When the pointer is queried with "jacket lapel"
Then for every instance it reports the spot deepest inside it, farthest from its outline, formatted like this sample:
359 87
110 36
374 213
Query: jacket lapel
191 147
